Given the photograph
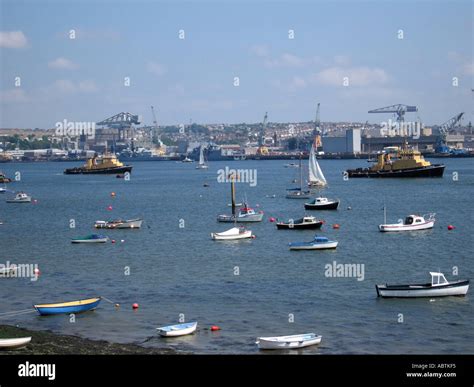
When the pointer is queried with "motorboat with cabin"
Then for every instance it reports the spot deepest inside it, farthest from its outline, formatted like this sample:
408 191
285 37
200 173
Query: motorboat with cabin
410 223
322 203
304 223
20 197
318 243
106 164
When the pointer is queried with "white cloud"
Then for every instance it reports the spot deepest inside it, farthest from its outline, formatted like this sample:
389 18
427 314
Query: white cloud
87 86
156 68
12 39
260 50
13 95
342 60
357 76
62 63
286 60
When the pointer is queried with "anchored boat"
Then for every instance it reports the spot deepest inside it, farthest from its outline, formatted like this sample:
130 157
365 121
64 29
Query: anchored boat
318 243
321 203
68 307
4 179
410 163
92 238
306 222
106 164
178 329
411 223
202 163
316 176
298 193
439 287
119 224
288 342
20 197
232 234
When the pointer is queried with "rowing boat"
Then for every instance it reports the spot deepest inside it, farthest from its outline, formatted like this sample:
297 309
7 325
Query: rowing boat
288 342
178 329
68 307
18 342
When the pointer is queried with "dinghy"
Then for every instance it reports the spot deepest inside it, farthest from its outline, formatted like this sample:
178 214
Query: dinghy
119 224
318 243
68 307
411 223
93 238
439 287
307 222
288 342
232 234
178 329
14 343
321 203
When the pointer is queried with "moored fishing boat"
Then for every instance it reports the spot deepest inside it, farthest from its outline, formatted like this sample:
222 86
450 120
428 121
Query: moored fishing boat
318 243
306 222
232 234
92 238
68 307
321 203
177 329
411 223
119 224
439 287
106 164
15 343
288 342
20 197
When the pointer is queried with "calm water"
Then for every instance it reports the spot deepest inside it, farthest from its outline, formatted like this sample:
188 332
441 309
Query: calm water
177 270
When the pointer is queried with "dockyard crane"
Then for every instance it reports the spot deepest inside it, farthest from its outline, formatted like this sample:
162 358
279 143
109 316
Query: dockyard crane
155 137
399 110
441 143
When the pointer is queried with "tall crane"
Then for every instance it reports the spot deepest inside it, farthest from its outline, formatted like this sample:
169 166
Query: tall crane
155 137
441 143
399 110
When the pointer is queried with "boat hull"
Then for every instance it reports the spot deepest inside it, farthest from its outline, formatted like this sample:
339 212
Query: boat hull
14 343
220 237
404 227
458 288
240 219
102 171
297 226
326 206
436 170
313 246
101 240
177 330
68 307
288 342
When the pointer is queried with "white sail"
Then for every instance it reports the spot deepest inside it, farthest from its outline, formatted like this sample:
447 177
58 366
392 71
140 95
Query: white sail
316 176
201 156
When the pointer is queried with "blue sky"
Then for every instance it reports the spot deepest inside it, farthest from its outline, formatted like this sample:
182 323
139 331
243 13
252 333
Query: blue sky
193 79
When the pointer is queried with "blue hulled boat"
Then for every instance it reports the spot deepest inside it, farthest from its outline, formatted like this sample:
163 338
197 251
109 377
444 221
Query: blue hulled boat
68 307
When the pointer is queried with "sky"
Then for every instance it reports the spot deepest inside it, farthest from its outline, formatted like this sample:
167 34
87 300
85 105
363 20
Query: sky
237 60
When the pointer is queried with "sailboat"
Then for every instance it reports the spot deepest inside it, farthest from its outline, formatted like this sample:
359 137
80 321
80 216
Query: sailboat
316 176
202 164
298 193
246 214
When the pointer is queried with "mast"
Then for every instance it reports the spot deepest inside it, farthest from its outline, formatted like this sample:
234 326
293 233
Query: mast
301 175
232 192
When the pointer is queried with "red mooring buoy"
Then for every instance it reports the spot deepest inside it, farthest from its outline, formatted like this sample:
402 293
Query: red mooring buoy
215 328
451 227
335 226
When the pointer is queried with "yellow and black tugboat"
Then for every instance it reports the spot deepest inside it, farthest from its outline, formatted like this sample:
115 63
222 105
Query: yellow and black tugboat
106 164
4 179
406 163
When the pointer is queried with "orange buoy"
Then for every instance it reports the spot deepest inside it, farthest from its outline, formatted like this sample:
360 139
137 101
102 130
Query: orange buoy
215 328
335 226
112 194
451 227
135 305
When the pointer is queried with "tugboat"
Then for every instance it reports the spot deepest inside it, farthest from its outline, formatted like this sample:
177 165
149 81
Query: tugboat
410 163
106 164
4 179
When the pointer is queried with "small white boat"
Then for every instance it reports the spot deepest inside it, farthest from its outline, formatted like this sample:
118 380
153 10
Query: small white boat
93 238
439 287
319 243
411 223
119 224
187 160
14 343
20 197
232 234
3 190
178 329
202 162
288 342
292 165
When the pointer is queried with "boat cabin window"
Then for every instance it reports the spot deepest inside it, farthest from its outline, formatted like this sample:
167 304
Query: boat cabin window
408 220
438 279
418 221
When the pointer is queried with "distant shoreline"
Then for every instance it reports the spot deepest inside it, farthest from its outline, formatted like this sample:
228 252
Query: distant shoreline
50 343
